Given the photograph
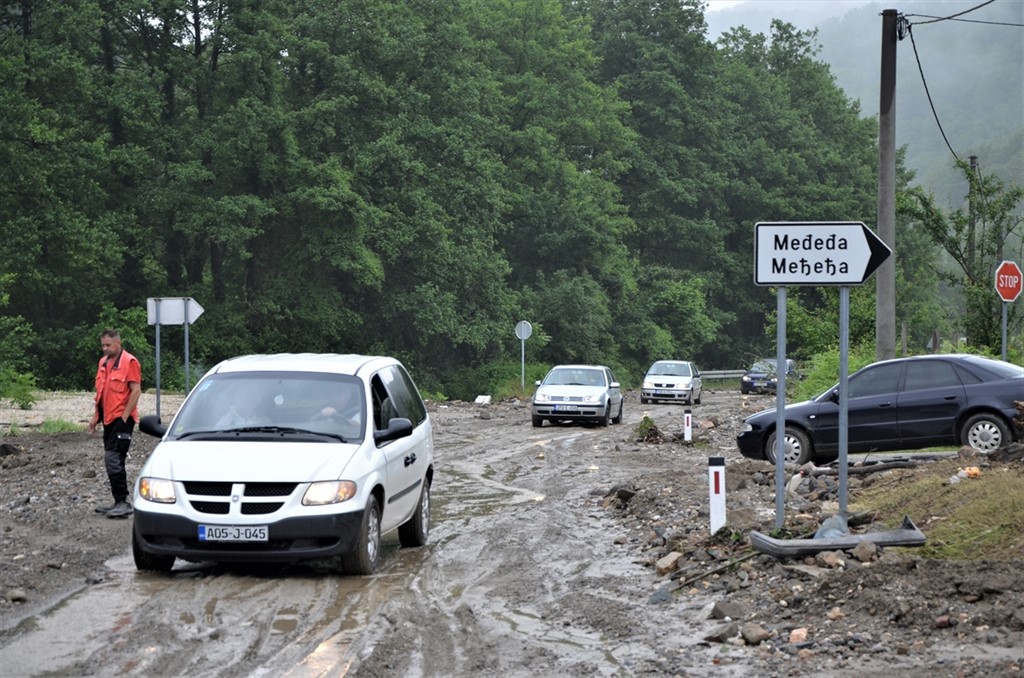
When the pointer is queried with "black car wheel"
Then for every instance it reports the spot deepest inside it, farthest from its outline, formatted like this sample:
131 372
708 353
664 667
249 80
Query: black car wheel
414 531
538 421
607 418
364 559
798 447
985 432
618 419
149 562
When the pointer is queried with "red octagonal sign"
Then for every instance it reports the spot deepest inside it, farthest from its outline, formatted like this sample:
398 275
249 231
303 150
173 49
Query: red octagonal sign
1008 281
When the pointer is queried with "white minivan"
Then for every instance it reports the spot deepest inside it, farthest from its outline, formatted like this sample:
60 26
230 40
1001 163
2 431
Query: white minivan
288 457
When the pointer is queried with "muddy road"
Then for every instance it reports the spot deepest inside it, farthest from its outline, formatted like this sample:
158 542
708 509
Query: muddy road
541 561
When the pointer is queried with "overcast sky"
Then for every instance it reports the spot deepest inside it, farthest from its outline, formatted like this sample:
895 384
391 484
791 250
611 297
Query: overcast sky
757 15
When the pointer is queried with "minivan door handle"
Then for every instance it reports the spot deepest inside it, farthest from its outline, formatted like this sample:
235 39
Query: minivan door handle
411 459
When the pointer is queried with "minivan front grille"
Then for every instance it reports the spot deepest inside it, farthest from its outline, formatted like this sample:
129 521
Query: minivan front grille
208 489
248 508
215 507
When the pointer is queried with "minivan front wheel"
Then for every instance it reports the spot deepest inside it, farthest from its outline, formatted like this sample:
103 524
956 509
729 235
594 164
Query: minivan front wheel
363 560
149 562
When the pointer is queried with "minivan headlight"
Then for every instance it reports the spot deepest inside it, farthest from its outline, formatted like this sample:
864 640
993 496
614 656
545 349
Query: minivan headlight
541 398
329 492
747 428
159 490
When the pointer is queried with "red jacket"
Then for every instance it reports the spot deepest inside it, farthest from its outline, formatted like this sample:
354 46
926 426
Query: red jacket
113 377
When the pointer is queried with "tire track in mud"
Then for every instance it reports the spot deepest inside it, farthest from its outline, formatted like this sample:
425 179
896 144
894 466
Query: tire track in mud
493 594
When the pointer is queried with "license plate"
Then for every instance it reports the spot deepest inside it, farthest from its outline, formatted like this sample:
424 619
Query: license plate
566 408
660 392
233 533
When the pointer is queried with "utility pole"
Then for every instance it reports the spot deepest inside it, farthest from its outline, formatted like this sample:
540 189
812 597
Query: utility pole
885 283
972 217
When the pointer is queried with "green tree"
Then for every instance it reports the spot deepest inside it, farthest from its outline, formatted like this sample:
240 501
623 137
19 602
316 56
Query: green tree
975 240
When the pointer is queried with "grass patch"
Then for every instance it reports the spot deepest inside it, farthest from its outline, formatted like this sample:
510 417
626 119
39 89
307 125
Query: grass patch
59 426
974 519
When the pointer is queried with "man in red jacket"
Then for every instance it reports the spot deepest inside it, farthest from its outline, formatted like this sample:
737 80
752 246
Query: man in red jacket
118 387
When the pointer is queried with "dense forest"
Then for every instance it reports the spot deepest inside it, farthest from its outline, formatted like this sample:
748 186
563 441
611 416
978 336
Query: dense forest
413 178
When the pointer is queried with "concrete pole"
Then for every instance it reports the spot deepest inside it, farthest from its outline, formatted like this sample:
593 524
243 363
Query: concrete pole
885 303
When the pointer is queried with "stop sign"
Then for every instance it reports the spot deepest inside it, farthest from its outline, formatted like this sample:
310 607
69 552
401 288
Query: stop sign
1008 281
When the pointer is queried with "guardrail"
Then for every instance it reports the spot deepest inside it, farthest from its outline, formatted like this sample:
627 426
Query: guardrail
722 374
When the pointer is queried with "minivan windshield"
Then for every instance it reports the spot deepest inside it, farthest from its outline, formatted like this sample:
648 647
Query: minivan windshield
289 402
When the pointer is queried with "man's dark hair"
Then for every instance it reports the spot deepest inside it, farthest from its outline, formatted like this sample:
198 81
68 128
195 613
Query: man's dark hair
110 332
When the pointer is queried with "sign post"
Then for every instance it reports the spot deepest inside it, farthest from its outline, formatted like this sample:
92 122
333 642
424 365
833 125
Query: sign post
171 311
523 331
1008 287
814 253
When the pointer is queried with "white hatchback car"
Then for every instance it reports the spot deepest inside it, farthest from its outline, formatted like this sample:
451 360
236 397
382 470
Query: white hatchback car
289 457
675 380
578 393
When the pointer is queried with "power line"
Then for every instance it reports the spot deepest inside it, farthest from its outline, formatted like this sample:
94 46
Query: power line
965 21
953 16
904 28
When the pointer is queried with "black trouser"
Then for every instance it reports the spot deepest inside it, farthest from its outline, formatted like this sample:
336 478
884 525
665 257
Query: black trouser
117 438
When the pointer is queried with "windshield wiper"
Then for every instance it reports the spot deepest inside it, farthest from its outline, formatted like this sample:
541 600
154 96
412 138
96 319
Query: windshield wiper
283 429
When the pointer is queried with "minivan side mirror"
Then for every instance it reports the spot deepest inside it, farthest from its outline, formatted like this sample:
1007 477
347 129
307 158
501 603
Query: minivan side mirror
614 384
399 427
151 425
834 396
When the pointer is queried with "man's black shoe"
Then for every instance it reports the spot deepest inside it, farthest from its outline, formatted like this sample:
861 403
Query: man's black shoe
122 509
105 509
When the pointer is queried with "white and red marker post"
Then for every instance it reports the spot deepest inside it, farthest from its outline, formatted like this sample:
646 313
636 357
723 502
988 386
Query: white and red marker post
687 425
716 492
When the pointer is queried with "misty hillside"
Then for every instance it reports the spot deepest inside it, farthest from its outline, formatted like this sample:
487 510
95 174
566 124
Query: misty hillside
974 72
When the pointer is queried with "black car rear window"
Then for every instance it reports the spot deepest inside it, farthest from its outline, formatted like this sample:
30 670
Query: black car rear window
997 368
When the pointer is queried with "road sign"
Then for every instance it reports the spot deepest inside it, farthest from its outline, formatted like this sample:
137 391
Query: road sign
1008 281
172 310
816 253
523 332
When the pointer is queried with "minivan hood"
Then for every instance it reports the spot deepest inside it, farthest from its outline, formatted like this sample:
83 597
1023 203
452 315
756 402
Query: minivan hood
248 461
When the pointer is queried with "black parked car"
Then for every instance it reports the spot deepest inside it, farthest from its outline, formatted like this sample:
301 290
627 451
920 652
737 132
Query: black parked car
902 404
762 377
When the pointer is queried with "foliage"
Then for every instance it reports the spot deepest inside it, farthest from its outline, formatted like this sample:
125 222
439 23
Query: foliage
982 519
411 179
974 240
17 387
647 430
821 371
59 426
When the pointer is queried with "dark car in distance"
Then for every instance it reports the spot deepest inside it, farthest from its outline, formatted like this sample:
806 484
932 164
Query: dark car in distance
763 377
902 404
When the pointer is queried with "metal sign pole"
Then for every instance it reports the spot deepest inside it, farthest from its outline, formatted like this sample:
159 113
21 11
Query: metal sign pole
157 311
185 311
522 363
844 413
780 409
1005 305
